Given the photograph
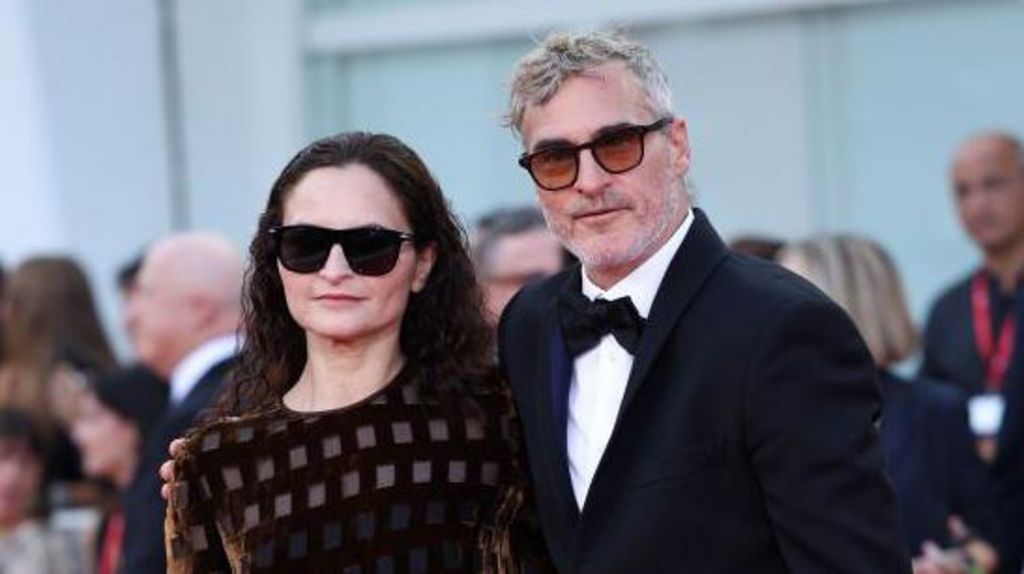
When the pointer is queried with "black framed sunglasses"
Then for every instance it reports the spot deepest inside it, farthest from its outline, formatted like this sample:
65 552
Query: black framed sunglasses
372 251
616 151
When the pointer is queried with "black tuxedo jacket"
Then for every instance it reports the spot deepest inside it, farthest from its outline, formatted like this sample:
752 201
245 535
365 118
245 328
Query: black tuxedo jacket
144 509
746 440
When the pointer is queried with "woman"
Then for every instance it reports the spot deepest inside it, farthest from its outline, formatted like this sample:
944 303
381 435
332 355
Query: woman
940 483
109 425
51 326
27 545
370 432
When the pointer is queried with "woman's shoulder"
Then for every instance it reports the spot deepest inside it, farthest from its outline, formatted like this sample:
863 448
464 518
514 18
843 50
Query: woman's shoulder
233 433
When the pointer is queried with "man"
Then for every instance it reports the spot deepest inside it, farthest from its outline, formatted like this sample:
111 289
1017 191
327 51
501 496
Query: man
513 247
971 334
709 412
136 373
183 319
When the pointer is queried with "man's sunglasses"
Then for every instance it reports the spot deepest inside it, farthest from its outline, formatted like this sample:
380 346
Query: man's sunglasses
616 151
371 251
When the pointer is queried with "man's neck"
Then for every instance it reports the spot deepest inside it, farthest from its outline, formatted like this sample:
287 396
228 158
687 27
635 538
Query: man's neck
1006 265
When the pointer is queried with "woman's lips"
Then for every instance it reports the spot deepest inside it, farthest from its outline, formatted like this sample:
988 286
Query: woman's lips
337 298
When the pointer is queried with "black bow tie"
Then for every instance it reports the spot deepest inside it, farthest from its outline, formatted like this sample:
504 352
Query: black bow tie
585 322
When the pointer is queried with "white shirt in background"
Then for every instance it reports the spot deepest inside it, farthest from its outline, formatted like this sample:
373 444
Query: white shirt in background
190 370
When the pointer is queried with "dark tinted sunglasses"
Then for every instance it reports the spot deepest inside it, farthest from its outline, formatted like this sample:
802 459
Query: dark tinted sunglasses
371 251
616 151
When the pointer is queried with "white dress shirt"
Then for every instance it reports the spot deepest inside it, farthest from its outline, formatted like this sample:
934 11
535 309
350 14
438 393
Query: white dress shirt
190 370
599 376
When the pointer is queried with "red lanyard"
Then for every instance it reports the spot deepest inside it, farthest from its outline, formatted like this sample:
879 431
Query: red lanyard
994 355
110 553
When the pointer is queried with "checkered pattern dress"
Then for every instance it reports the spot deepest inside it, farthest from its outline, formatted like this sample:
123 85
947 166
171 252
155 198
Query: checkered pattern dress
392 484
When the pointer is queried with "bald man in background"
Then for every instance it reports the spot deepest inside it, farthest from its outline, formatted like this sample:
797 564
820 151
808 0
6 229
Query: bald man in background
974 336
183 319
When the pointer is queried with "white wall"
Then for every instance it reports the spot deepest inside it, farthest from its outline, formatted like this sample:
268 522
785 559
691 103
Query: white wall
29 207
88 113
906 85
85 137
242 106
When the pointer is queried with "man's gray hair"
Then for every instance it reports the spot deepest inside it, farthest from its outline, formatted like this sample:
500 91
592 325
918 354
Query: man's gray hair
563 55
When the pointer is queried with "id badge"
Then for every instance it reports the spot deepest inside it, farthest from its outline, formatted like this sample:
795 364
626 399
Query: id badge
986 414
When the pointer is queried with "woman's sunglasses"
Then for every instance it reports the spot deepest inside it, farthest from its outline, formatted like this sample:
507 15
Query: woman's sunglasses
371 251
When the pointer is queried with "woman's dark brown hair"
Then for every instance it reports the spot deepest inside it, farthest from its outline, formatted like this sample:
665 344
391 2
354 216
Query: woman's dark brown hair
443 331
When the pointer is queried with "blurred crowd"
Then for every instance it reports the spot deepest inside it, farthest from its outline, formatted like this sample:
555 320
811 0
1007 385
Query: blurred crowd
83 434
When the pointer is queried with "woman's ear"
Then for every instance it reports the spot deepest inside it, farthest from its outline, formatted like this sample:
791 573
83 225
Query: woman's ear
425 259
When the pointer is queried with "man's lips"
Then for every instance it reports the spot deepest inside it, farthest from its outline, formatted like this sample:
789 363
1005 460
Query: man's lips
598 213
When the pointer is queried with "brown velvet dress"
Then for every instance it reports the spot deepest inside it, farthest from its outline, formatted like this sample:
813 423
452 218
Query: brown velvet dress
392 484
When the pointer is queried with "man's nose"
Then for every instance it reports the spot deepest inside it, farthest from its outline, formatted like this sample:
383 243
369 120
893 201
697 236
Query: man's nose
590 177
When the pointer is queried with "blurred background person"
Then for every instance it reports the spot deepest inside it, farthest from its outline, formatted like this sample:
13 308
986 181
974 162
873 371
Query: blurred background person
757 245
27 544
513 247
51 326
183 320
135 372
941 485
972 337
111 420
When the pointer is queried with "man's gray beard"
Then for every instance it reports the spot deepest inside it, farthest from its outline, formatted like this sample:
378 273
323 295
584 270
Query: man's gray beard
642 244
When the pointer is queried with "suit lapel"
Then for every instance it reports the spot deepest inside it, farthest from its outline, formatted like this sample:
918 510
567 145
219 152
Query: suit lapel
692 264
556 370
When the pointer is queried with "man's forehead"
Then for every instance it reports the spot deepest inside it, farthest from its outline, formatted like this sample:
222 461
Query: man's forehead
585 103
988 150
530 250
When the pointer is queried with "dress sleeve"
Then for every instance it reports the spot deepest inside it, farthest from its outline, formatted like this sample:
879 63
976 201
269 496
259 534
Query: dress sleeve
192 540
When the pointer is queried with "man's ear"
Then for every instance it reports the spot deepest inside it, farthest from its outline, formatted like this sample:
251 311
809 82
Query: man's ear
425 259
201 308
679 138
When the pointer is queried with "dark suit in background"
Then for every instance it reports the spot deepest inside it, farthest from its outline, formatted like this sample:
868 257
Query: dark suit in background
745 441
929 451
951 356
144 509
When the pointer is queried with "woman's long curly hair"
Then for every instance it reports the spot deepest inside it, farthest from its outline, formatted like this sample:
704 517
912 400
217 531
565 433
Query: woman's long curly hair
443 332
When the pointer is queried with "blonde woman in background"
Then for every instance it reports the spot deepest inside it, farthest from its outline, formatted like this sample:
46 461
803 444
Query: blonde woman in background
941 486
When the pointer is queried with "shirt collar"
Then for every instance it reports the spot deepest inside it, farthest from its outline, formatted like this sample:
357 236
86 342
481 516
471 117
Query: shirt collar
191 369
641 285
